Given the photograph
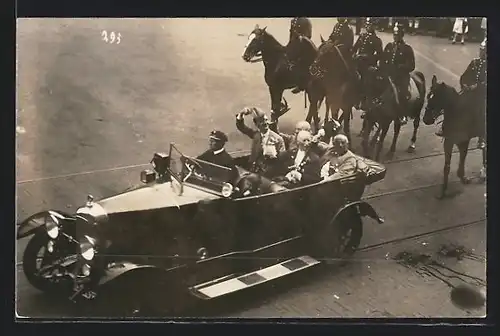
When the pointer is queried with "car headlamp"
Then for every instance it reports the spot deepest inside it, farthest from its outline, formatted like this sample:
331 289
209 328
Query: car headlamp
227 190
87 250
52 227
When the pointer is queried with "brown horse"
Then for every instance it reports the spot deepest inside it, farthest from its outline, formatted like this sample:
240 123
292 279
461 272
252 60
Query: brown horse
383 110
280 74
462 122
335 68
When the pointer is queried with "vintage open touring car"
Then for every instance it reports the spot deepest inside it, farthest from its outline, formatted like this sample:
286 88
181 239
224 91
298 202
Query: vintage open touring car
186 234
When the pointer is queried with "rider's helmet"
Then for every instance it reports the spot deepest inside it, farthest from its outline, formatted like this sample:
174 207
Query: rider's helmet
398 30
369 23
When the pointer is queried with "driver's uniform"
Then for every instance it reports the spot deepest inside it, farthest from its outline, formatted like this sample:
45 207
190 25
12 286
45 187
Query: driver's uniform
219 157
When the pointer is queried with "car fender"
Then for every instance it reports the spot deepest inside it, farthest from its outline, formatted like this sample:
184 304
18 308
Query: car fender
364 209
121 268
30 225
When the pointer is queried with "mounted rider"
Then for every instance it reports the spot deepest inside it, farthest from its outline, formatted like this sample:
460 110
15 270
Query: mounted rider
300 51
473 84
300 26
367 52
398 61
342 34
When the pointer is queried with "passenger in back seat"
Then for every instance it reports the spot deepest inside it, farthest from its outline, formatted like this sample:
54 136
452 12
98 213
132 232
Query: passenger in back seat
339 161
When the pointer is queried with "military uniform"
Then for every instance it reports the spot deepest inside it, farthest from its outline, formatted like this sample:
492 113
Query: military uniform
342 34
300 26
473 83
300 52
398 61
367 51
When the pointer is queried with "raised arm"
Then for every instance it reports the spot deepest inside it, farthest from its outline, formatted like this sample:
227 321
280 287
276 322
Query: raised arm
240 125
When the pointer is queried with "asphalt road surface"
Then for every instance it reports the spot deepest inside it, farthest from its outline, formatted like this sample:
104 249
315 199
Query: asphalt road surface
91 114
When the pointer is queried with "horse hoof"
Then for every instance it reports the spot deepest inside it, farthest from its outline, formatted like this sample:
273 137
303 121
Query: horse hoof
465 180
441 196
411 149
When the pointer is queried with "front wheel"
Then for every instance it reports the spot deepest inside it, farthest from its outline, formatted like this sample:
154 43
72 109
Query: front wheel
340 238
35 257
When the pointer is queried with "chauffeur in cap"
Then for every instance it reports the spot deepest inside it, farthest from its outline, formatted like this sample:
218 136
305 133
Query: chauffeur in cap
266 144
216 153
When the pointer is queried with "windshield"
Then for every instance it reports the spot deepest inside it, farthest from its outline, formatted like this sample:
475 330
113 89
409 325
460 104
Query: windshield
199 173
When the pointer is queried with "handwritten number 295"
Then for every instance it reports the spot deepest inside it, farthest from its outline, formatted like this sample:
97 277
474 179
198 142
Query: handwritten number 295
111 38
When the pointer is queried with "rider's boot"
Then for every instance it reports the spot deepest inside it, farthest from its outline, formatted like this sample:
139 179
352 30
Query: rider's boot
405 97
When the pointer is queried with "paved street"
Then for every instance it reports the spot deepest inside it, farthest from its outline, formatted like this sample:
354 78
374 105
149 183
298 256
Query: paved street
91 114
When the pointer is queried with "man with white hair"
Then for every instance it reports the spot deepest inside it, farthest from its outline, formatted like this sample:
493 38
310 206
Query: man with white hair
291 139
340 160
300 165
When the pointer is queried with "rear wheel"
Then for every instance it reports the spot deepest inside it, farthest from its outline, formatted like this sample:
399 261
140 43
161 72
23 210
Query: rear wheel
341 237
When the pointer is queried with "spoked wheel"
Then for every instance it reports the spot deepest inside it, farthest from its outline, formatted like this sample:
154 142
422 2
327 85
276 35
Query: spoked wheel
35 257
340 238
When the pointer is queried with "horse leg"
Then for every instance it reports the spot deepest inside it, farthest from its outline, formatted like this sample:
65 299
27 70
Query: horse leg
463 149
397 129
385 127
346 117
376 135
366 137
363 128
416 124
276 95
448 148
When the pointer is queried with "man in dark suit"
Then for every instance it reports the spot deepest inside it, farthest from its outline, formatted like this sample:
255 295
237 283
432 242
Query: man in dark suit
300 165
266 144
217 153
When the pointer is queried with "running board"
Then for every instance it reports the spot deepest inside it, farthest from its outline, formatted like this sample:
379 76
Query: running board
222 287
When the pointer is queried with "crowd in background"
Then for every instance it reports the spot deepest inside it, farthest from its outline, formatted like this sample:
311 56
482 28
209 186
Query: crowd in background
461 30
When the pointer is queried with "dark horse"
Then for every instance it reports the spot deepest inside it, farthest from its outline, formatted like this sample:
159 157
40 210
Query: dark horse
382 109
462 122
335 69
279 74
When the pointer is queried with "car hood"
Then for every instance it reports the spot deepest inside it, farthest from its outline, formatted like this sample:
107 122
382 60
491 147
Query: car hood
155 196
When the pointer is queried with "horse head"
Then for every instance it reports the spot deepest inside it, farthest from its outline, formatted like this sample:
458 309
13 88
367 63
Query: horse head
437 100
325 57
255 44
